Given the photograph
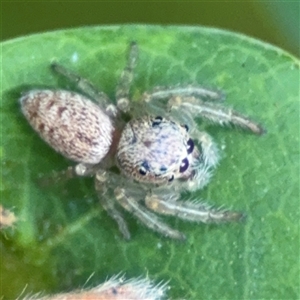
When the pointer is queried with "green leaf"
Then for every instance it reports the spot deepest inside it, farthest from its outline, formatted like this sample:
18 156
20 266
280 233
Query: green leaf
63 236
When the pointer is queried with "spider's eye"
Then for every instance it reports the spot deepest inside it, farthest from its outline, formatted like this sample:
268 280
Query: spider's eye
144 168
184 165
186 127
163 169
156 121
190 146
142 171
171 178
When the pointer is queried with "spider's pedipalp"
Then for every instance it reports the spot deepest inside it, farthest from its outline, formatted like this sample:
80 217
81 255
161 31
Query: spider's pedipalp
209 150
202 176
146 217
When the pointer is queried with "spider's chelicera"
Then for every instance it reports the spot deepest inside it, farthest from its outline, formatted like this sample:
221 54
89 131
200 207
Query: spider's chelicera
159 152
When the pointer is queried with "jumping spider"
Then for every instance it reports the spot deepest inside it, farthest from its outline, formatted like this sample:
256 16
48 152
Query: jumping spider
159 150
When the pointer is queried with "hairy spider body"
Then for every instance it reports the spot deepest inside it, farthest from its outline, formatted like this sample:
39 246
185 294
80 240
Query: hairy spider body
159 152
155 150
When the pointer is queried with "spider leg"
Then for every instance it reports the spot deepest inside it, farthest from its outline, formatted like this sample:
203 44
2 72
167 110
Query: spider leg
80 169
108 204
87 88
146 217
213 112
181 101
123 87
190 210
157 101
160 93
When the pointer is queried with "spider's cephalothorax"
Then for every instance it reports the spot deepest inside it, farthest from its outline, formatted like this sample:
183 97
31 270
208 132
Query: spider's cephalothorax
156 150
159 151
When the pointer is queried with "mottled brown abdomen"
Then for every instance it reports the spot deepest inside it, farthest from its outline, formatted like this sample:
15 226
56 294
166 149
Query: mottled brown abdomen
70 123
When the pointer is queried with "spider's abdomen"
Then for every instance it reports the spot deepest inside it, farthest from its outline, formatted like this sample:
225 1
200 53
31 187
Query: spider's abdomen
70 123
154 150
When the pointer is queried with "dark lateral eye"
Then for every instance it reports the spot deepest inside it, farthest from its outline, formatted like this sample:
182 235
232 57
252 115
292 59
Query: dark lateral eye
142 171
144 168
163 169
184 165
190 146
186 127
157 120
171 178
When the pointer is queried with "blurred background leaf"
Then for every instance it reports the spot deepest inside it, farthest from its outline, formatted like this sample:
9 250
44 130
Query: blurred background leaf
63 235
276 22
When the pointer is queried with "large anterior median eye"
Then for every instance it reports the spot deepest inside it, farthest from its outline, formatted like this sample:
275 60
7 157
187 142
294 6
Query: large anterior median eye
184 165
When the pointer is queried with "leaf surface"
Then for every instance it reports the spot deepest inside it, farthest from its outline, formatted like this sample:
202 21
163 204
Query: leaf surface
63 236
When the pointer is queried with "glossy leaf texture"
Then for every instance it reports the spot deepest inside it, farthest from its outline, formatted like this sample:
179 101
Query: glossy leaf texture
63 236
